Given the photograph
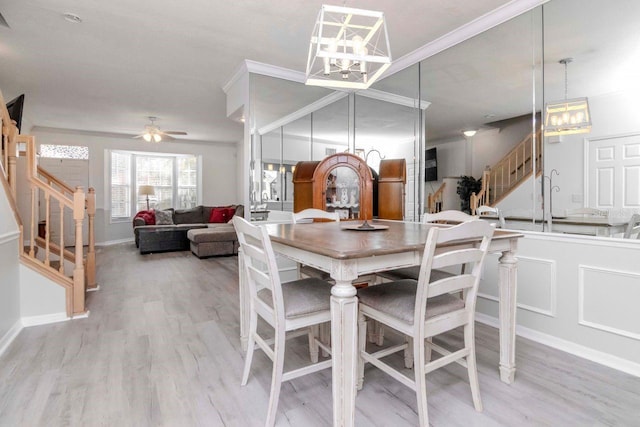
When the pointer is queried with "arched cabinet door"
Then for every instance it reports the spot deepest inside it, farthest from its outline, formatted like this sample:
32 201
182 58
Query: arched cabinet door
340 183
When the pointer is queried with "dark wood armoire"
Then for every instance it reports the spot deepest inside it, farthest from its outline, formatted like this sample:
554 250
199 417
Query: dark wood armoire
340 183
391 188
344 183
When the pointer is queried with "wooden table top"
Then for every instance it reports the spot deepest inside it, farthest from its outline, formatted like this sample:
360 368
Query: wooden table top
332 240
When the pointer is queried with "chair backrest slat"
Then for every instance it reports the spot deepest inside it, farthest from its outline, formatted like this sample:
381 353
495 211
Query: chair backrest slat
450 216
490 210
458 257
633 227
312 214
451 284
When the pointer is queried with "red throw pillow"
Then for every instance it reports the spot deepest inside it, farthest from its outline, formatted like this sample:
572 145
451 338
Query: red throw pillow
218 215
149 217
230 213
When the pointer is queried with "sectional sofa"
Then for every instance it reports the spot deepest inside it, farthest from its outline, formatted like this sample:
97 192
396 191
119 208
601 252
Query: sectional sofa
206 230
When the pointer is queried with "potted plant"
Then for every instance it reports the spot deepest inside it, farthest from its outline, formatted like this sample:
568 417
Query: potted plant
466 186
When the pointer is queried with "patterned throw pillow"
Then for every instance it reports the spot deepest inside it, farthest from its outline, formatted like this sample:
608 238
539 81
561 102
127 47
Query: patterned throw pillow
164 218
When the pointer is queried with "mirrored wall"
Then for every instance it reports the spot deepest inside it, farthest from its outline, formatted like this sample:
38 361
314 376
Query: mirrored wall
494 86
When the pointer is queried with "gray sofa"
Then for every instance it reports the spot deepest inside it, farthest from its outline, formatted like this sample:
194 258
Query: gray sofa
213 239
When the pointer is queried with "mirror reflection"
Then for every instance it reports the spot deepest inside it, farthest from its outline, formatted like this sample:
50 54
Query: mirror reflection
472 115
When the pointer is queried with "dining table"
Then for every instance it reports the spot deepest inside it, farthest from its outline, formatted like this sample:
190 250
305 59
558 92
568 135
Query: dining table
346 251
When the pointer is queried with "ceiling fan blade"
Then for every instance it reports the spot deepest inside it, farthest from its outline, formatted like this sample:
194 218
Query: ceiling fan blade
174 132
138 136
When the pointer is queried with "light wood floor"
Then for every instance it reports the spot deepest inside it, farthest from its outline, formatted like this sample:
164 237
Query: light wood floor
161 347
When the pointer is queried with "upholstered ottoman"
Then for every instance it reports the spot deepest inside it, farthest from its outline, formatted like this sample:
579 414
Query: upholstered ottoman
220 239
163 238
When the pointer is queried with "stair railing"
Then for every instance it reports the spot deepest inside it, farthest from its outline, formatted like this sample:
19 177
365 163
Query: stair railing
509 172
434 200
66 204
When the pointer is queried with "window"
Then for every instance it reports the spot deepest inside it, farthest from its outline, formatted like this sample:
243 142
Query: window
120 188
64 151
174 179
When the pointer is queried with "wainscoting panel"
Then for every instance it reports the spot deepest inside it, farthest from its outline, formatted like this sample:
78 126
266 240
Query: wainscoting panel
536 283
608 300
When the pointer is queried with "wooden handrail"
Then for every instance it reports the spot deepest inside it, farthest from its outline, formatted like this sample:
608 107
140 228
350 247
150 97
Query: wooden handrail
434 201
52 180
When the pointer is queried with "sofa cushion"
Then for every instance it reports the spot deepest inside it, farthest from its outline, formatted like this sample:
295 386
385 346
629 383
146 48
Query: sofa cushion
164 217
220 233
188 216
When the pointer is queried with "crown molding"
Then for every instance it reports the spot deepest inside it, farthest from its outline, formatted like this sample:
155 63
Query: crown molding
307 109
393 98
255 67
471 29
237 75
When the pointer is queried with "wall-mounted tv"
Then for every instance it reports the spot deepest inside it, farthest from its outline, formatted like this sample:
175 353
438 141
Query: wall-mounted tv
15 110
430 165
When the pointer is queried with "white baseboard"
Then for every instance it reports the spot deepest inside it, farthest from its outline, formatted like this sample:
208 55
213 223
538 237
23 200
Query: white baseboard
8 338
44 319
588 353
116 242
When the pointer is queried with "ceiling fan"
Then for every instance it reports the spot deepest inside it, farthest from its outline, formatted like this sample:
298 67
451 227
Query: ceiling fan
153 133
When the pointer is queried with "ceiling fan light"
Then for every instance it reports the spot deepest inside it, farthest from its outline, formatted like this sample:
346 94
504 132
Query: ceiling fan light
157 137
147 137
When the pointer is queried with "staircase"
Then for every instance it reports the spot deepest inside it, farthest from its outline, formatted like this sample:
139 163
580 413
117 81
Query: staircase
513 169
67 266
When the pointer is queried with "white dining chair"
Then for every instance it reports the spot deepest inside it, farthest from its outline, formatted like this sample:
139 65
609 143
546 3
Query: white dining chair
587 212
425 308
445 217
633 227
286 307
485 210
376 331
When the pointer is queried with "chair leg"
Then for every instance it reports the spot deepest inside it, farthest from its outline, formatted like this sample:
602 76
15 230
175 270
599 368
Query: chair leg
470 343
408 352
376 332
421 381
362 346
313 344
251 343
276 378
325 336
427 350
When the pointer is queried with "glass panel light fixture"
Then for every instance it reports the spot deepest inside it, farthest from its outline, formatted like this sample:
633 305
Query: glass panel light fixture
567 117
349 48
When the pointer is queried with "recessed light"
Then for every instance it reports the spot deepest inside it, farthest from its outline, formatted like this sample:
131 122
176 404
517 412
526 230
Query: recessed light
489 116
72 17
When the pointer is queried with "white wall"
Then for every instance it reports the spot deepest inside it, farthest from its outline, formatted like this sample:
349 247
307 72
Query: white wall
219 174
575 293
9 273
41 300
